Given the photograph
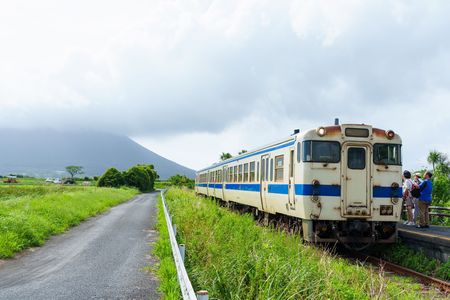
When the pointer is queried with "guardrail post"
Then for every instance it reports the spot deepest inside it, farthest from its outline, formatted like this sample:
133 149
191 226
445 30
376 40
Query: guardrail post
174 229
202 295
182 248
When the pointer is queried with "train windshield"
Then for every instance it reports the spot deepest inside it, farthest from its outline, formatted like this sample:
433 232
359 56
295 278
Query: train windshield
387 154
321 151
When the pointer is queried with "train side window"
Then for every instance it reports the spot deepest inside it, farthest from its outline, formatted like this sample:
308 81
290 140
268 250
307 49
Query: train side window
232 174
387 154
235 174
271 169
299 152
321 151
240 173
252 171
263 169
257 171
279 168
246 172
220 175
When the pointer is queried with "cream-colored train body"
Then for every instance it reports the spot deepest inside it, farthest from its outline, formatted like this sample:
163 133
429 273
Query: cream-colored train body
341 181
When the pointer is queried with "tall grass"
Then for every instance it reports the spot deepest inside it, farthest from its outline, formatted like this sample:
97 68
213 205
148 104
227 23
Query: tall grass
166 269
233 258
30 215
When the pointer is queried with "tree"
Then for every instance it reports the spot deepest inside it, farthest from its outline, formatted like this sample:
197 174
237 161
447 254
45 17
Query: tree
153 175
434 157
242 151
111 178
138 177
74 170
181 180
225 156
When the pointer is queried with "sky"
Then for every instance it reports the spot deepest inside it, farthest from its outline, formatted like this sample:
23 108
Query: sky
192 79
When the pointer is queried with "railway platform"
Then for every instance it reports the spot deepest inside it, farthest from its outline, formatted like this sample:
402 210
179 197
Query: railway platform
434 241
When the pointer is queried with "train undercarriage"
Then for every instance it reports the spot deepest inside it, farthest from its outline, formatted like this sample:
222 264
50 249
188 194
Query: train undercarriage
355 234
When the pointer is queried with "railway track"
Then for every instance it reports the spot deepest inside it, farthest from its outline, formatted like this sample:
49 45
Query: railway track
442 285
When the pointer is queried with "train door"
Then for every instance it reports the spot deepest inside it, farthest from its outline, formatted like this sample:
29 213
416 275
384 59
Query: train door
291 180
356 180
264 180
224 179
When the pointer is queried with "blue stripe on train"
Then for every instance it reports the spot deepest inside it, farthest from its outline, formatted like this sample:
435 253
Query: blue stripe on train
243 187
215 185
386 192
304 189
321 190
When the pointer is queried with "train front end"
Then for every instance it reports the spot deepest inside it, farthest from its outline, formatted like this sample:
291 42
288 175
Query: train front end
355 176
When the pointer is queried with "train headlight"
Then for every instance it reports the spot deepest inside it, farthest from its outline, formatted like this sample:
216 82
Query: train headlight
386 210
321 131
390 134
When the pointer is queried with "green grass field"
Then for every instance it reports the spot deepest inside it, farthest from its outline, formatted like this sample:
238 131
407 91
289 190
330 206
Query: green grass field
30 214
232 257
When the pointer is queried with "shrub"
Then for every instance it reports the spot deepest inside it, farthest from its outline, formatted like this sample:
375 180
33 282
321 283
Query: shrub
182 180
111 178
138 177
150 169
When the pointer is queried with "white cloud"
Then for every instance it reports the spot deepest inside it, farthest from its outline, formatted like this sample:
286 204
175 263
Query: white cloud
220 75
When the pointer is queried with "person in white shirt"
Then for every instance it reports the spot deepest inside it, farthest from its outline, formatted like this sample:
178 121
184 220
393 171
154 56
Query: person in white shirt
407 197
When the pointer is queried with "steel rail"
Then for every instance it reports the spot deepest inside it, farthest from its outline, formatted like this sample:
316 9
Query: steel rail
386 265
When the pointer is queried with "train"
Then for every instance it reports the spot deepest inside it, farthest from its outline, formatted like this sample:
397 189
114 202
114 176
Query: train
339 183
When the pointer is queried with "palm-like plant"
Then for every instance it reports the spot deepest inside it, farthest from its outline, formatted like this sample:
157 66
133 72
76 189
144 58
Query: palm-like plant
434 157
225 156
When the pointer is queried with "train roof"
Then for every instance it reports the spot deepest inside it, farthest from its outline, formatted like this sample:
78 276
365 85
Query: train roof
332 131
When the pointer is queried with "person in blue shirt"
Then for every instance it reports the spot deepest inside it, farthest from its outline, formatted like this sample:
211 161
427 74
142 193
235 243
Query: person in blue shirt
426 188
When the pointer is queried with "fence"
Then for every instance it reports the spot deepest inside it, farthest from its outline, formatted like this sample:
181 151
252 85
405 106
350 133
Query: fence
437 213
178 251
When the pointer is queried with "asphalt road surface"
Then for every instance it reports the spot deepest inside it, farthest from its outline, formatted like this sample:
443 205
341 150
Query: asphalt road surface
102 258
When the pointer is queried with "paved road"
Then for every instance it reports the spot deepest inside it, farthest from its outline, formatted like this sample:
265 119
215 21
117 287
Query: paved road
103 258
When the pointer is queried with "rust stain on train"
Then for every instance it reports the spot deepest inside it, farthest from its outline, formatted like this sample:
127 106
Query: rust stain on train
333 130
379 132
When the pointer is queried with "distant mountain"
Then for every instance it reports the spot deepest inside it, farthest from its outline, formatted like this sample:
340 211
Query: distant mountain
46 153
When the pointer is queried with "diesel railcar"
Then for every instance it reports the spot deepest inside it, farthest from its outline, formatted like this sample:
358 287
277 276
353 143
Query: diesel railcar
342 183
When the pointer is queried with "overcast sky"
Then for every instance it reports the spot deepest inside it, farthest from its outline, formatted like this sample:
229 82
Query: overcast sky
190 79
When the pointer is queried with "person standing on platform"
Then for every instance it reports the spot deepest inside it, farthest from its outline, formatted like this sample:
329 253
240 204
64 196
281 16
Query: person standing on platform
426 188
407 187
416 182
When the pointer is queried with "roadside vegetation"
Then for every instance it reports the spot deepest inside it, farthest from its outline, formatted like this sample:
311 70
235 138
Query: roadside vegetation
140 176
232 257
166 270
175 181
29 215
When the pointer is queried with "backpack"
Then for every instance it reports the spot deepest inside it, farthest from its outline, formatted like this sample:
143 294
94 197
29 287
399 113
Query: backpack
415 192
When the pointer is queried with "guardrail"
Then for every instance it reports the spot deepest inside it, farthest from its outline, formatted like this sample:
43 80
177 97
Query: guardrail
178 251
439 208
